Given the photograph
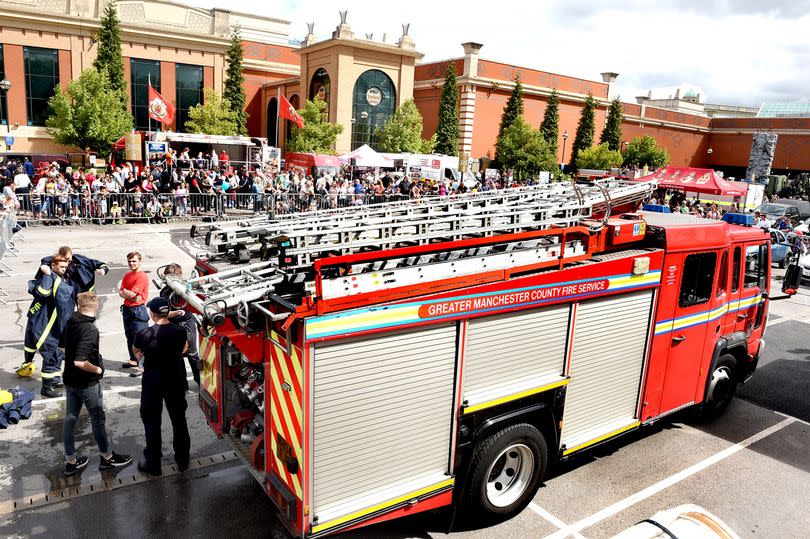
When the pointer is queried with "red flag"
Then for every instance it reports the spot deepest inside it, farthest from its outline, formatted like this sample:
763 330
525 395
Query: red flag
285 110
160 109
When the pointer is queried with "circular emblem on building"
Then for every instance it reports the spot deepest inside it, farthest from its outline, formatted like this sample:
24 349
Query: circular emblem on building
374 96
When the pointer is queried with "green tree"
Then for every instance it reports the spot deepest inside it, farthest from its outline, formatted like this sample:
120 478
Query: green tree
89 114
234 91
447 132
403 132
511 112
317 135
524 150
645 151
599 157
551 120
213 116
109 56
584 137
612 133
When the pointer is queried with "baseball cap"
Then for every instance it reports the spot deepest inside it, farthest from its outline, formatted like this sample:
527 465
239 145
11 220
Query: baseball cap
159 305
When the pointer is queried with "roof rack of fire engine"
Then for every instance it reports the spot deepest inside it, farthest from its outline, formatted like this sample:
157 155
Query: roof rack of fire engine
299 239
333 256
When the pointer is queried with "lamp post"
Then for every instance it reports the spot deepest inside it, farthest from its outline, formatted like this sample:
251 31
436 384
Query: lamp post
5 86
562 158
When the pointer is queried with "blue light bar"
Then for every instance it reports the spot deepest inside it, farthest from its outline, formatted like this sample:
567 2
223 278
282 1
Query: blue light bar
744 219
658 208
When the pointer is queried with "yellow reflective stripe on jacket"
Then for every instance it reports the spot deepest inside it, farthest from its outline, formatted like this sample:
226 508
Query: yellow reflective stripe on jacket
43 291
52 319
91 288
49 375
32 350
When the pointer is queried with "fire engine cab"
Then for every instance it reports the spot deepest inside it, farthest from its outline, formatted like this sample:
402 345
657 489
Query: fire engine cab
370 363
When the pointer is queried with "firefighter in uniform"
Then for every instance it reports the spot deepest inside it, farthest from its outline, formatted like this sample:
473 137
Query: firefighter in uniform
52 306
81 271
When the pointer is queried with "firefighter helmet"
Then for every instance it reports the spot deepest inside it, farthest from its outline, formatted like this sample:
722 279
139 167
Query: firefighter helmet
5 397
26 370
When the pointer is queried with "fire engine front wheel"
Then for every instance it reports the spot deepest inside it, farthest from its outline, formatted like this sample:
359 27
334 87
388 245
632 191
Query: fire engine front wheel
506 470
722 386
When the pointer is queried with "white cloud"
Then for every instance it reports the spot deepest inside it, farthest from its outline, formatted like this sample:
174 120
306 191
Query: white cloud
734 51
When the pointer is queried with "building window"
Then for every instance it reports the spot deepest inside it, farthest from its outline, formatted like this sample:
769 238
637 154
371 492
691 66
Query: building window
189 91
374 101
3 102
320 86
272 121
41 80
142 72
698 278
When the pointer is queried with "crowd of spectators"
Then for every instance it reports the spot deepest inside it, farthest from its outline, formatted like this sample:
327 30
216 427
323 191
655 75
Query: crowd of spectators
180 186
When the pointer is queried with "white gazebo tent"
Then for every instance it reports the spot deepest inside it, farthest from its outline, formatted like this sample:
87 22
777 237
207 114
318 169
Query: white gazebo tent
365 156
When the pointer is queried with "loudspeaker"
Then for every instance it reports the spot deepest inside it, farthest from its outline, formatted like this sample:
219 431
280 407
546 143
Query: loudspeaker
353 162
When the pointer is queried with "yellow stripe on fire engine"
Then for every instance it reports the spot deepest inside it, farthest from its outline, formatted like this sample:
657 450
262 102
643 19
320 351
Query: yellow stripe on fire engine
384 505
515 396
602 438
374 316
281 466
651 277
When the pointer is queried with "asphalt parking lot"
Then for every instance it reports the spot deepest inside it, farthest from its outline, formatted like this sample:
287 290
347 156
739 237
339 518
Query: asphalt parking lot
751 467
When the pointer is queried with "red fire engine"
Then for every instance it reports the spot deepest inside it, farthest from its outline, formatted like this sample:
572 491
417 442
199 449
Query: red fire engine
370 363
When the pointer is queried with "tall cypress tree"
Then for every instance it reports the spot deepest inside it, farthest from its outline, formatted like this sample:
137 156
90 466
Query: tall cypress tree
109 58
512 111
234 81
447 132
612 133
550 128
585 130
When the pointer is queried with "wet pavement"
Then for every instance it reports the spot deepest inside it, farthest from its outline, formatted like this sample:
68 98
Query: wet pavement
751 467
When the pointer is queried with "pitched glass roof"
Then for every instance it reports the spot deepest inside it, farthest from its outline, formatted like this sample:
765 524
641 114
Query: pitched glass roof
784 110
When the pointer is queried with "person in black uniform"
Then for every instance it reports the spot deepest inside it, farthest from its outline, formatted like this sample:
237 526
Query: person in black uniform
161 347
187 320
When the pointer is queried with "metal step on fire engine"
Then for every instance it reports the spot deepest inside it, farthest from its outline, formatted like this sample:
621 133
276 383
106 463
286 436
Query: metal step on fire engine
302 238
273 288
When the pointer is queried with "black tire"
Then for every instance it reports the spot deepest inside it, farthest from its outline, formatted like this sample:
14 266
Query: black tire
491 462
722 385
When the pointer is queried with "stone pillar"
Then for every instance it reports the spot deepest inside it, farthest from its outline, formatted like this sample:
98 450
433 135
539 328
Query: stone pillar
609 78
471 51
466 118
222 22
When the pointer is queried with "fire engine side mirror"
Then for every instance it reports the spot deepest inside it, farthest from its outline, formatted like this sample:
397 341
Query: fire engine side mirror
793 278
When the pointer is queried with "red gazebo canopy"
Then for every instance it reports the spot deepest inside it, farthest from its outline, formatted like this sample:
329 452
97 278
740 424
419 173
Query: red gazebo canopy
696 180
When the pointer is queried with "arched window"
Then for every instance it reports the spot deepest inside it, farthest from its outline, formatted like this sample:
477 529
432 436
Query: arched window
320 86
295 102
272 116
373 102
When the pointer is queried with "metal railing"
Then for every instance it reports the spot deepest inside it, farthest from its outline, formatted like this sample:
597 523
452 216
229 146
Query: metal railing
113 207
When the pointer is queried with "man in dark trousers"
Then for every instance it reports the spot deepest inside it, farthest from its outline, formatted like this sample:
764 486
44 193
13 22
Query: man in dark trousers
134 291
164 380
83 372
52 306
187 320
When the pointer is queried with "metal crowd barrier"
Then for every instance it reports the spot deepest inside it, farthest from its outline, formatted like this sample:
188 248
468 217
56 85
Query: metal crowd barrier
109 208
9 223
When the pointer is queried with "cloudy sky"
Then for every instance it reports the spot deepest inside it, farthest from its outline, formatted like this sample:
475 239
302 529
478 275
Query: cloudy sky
739 52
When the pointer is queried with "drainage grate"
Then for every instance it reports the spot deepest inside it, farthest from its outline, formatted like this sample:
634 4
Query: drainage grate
55 496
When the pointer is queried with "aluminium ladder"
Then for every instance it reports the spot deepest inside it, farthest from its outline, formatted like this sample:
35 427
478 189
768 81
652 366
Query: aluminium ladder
308 237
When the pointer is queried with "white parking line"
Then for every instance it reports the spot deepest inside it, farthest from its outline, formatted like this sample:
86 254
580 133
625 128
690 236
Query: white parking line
632 500
552 519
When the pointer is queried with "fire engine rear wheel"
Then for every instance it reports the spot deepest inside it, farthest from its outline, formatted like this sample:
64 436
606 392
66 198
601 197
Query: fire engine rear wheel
722 386
506 470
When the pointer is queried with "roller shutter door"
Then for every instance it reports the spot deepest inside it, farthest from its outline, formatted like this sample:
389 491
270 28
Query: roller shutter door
515 352
610 337
382 417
